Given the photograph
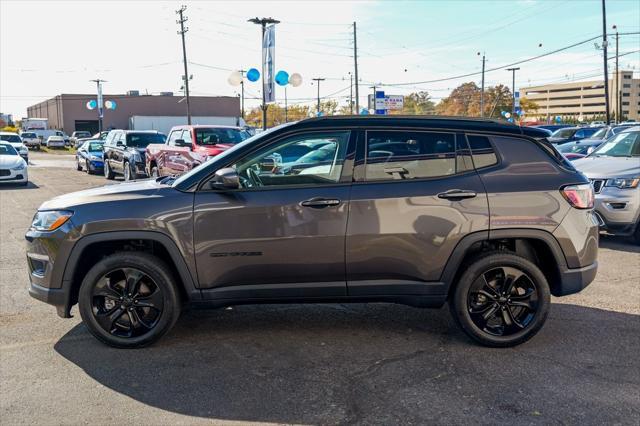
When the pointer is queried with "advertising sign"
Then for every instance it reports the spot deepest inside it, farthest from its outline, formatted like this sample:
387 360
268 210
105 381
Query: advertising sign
268 64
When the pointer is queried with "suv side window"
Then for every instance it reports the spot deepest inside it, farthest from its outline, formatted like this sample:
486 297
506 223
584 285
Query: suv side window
308 159
409 155
175 134
580 134
111 138
482 151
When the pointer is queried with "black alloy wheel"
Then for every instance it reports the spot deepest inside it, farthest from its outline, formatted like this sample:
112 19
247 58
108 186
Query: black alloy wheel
503 301
127 302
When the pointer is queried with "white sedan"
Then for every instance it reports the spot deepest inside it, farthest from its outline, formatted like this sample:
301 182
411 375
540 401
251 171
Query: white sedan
13 168
55 142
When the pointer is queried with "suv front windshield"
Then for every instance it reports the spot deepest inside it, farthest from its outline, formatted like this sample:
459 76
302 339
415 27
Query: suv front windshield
29 135
213 136
621 145
600 134
141 140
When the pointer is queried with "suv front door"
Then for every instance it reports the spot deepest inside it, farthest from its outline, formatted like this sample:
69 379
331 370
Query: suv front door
415 195
284 227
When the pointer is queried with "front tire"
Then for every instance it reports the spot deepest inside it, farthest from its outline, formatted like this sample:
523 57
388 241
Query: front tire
501 300
129 300
108 173
78 166
126 169
87 166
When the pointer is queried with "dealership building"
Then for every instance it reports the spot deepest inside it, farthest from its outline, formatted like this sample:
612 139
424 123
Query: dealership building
586 99
70 112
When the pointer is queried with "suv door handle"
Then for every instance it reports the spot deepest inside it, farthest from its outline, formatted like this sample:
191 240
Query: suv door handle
457 194
320 203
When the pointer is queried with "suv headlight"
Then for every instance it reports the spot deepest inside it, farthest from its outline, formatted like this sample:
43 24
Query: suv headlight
137 157
19 167
623 183
50 220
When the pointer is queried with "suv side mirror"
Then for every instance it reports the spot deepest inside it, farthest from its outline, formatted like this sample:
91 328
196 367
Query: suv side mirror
119 143
181 143
226 178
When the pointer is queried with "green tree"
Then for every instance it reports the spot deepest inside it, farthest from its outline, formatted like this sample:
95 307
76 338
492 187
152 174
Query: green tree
418 103
464 100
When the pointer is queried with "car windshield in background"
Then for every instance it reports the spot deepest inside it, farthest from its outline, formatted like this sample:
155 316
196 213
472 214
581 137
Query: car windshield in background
214 136
575 148
6 149
29 135
563 133
621 145
94 146
140 140
10 138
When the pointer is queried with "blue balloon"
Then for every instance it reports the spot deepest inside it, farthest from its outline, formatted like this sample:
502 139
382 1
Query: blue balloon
503 113
364 111
282 78
93 104
253 74
558 119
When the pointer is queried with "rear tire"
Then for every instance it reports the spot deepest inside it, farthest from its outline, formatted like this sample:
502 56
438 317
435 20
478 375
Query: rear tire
108 173
78 166
501 299
129 300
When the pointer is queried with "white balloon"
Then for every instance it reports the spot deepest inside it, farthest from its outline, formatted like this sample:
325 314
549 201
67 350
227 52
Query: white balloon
295 79
508 115
235 78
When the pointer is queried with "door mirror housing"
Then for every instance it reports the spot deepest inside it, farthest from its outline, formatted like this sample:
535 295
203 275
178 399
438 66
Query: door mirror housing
182 143
226 178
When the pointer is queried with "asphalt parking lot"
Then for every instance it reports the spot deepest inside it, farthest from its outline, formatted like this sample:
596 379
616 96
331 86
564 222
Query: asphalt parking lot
313 364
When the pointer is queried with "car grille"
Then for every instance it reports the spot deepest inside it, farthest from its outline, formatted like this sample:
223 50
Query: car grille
597 185
5 172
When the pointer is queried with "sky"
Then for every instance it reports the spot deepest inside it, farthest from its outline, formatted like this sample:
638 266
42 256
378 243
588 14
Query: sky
53 47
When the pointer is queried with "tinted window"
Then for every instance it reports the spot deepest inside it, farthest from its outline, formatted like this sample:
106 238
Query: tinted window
322 164
409 155
10 138
481 151
28 135
213 136
563 133
140 140
6 149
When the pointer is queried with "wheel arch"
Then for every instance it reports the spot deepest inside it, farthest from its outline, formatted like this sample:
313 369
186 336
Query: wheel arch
93 247
538 246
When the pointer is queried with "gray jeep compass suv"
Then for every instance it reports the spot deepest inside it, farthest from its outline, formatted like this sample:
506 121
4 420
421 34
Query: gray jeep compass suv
416 210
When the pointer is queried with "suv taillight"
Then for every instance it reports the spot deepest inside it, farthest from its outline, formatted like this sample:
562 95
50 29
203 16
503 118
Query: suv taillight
579 196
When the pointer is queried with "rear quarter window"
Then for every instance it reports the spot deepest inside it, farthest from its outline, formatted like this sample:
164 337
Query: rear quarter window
482 151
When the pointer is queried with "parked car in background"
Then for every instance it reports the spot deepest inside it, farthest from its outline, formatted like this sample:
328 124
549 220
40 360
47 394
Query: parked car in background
89 156
579 149
30 139
597 124
552 127
233 231
13 168
571 134
614 170
76 136
16 141
189 146
124 152
606 132
55 142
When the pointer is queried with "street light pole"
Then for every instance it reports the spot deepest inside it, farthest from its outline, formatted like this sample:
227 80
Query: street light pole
606 71
618 108
482 88
350 93
99 102
182 31
513 88
242 93
263 23
355 63
318 80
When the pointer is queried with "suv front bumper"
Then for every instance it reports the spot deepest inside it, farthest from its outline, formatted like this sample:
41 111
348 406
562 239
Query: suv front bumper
618 210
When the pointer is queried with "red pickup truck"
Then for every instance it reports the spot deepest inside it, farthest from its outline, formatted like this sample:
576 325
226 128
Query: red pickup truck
189 146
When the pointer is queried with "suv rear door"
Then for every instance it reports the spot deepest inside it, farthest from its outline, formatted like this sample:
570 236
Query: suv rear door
270 238
415 195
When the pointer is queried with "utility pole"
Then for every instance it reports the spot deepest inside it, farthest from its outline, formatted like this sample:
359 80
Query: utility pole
606 71
99 101
513 88
618 107
374 87
286 107
263 22
318 80
242 93
355 62
482 88
350 93
182 31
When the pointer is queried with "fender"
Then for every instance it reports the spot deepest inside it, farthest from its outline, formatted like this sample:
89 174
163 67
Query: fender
461 249
186 277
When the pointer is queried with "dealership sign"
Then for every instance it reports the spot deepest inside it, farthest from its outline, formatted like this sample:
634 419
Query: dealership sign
389 102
